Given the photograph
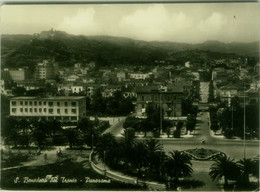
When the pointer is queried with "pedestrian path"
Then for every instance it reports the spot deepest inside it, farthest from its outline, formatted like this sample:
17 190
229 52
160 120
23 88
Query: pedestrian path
117 175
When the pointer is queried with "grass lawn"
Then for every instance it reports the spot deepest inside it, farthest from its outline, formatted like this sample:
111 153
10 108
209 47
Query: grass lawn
66 175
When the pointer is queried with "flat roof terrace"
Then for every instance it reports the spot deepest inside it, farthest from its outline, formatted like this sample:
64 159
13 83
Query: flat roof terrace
59 98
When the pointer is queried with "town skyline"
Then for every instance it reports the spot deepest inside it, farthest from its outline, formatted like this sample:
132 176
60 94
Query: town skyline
187 23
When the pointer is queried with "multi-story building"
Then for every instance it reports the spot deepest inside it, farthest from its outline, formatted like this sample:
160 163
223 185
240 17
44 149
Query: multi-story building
139 75
46 70
169 97
19 74
61 108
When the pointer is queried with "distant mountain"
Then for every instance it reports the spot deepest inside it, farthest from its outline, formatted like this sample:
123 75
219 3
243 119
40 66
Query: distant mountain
27 50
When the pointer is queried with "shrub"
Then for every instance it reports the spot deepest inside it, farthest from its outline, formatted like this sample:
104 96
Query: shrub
228 133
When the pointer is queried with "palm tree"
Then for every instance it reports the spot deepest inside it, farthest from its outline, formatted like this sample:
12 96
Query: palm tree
140 156
247 166
155 154
177 165
224 167
108 143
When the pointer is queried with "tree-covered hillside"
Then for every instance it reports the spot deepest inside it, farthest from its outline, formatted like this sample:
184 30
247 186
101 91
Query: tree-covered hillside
27 50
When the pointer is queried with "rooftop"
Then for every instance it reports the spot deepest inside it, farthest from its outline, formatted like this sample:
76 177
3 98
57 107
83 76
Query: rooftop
58 98
173 88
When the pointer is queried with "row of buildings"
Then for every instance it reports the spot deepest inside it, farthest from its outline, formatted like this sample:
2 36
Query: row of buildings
72 108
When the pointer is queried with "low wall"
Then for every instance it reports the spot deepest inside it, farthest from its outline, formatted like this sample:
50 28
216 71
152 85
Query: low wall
124 179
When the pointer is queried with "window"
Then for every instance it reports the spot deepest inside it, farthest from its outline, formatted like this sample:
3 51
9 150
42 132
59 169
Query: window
44 103
26 110
30 103
21 103
13 103
44 110
66 104
51 111
40 103
142 98
66 111
13 110
65 118
35 110
58 103
58 111
74 111
26 103
35 102
21 110
73 104
73 118
30 110
40 110
51 104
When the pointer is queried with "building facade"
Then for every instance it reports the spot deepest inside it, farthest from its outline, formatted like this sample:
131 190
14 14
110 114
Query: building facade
60 108
168 97
46 70
19 74
139 75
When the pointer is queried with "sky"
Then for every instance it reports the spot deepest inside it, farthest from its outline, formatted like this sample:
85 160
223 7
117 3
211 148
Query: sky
189 23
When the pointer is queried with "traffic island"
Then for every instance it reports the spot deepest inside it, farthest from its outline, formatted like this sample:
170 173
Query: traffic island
203 154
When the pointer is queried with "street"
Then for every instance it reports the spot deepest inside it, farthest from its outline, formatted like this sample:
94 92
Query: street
232 147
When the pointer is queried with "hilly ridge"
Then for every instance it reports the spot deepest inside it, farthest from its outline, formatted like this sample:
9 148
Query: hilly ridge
27 50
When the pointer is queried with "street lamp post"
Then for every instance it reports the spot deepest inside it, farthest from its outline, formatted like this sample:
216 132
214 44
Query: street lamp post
160 113
244 123
105 163
232 118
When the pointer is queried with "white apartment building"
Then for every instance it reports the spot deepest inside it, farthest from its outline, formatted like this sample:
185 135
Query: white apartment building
46 70
61 108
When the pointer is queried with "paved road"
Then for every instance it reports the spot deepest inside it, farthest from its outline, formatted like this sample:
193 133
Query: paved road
233 148
117 128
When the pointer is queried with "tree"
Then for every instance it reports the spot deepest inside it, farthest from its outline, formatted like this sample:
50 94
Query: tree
154 115
214 125
87 128
211 92
19 91
191 122
98 103
107 143
72 136
247 166
24 126
155 155
224 167
140 156
10 130
176 166
39 132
